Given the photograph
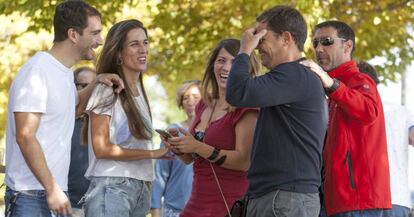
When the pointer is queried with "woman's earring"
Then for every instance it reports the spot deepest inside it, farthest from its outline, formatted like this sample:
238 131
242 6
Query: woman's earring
119 62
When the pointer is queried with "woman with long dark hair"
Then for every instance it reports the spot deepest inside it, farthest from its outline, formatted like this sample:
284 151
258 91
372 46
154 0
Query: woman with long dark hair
120 129
219 141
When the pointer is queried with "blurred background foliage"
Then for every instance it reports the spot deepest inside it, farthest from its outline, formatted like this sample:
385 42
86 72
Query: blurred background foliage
182 32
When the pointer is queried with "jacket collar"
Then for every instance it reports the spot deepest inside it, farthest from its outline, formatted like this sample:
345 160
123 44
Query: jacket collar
344 71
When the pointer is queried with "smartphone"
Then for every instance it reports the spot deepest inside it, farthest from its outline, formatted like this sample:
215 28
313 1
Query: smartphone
163 133
166 135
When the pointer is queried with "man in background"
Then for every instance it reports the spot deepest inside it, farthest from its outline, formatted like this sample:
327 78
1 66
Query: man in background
399 124
77 183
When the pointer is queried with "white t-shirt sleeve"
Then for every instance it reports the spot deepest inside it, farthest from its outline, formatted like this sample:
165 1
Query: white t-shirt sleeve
101 101
30 92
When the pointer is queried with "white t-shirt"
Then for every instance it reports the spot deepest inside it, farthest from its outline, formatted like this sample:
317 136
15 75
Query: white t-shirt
120 135
43 85
397 122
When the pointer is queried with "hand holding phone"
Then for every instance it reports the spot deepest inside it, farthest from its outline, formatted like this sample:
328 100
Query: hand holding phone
165 134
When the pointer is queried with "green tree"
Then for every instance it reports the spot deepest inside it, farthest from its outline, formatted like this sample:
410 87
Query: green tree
189 30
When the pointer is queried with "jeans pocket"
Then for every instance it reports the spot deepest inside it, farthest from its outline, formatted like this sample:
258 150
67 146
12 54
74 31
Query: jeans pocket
281 204
118 181
312 205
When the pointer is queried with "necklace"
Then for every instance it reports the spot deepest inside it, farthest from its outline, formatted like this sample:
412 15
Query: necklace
211 115
199 135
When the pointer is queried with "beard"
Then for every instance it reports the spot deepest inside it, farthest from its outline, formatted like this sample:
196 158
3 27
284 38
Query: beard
87 54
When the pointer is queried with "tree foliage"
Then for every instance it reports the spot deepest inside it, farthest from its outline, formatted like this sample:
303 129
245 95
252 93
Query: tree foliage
182 32
191 28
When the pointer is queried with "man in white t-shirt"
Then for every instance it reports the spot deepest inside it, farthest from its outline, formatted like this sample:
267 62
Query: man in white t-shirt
42 105
399 124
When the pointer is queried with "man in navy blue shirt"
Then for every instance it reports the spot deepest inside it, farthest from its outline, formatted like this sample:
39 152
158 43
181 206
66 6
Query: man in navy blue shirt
286 159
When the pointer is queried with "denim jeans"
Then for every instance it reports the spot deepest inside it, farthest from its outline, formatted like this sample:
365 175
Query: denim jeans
30 203
117 197
400 211
76 212
284 204
366 213
168 212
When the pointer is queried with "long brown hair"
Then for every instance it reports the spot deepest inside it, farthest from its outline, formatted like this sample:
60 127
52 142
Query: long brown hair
108 62
210 89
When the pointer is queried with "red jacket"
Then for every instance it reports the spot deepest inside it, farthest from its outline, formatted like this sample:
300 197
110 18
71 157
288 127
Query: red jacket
355 153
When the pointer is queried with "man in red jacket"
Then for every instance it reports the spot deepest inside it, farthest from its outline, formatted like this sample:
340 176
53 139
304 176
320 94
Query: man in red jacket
357 180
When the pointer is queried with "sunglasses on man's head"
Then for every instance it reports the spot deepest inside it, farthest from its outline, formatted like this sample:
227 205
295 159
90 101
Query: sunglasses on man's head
325 41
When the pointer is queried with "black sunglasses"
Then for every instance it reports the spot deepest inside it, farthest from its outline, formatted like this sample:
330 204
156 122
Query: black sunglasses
325 41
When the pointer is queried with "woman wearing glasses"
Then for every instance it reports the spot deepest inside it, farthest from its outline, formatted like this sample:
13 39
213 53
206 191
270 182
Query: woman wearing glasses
219 141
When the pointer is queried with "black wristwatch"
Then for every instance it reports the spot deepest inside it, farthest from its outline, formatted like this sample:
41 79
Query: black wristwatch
333 87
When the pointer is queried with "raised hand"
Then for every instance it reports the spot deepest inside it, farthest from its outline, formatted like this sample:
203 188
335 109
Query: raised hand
250 39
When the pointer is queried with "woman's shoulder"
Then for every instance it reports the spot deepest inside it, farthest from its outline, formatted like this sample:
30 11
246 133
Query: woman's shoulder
200 107
103 89
101 97
238 113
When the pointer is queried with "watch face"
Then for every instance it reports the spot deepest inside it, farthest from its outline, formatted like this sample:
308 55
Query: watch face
332 88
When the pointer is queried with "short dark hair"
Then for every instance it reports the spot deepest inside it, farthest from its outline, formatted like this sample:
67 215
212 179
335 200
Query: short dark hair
343 29
72 14
368 69
284 18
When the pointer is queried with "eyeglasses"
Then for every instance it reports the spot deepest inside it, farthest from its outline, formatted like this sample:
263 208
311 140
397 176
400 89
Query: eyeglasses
325 41
81 85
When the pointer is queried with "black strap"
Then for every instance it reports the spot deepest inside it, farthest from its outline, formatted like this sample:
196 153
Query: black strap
214 154
220 161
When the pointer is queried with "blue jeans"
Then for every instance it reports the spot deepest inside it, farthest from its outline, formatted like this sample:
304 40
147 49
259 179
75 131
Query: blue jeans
31 203
284 203
168 212
366 213
117 197
400 211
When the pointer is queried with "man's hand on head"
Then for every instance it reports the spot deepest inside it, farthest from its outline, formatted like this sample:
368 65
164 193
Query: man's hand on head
250 39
